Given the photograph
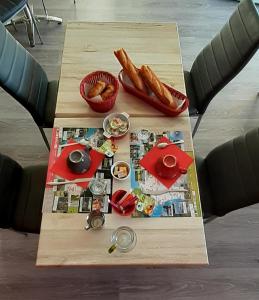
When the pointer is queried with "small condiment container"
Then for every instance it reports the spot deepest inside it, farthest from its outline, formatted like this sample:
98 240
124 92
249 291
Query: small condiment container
120 170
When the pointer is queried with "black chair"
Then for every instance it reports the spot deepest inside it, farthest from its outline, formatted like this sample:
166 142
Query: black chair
23 78
223 58
10 8
229 175
21 195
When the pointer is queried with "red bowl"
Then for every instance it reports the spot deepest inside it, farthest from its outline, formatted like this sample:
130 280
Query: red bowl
91 79
116 197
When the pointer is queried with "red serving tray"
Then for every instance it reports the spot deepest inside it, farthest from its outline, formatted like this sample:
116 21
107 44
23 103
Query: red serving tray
152 100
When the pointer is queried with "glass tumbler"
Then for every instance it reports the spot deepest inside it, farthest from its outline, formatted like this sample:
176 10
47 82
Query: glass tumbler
123 239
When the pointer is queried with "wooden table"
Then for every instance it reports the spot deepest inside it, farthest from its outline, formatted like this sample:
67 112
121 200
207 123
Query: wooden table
161 241
89 47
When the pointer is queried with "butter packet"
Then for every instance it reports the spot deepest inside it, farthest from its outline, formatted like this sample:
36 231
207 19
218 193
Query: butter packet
108 148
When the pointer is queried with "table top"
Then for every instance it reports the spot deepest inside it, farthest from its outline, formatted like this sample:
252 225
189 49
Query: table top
160 241
89 47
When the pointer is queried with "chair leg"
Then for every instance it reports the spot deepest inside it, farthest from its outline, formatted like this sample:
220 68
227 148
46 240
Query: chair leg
44 137
46 17
35 23
196 125
29 25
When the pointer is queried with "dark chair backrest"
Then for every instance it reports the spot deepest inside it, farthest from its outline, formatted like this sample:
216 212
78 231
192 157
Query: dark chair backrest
10 178
224 57
22 76
233 173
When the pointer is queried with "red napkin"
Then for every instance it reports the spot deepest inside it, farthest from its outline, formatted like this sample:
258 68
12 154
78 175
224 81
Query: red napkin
61 169
149 160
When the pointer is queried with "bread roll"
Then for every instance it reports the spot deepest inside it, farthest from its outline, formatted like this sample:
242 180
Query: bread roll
130 69
157 87
108 91
97 89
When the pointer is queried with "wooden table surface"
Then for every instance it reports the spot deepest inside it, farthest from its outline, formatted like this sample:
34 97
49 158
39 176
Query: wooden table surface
160 241
89 47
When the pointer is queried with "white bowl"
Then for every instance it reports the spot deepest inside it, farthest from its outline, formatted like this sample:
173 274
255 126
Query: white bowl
124 116
118 163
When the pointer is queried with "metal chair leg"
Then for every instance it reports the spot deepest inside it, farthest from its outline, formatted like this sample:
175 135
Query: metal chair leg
35 23
196 125
44 137
29 25
46 17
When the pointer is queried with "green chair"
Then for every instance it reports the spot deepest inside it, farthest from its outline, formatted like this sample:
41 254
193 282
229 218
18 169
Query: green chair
229 175
223 58
21 195
23 78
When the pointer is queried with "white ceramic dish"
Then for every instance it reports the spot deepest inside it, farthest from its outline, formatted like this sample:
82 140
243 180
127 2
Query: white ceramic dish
120 163
123 116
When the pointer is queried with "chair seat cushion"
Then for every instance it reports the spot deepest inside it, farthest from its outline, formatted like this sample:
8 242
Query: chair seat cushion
10 175
193 110
27 215
51 102
9 8
204 187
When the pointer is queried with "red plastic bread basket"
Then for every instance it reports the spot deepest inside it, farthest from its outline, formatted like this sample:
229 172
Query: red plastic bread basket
90 80
152 100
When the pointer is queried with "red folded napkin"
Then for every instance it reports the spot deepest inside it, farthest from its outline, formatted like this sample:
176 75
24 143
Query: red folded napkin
149 160
61 169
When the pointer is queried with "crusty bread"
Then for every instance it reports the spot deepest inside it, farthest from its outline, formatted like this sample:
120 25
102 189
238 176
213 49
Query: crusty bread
97 89
130 69
108 91
158 88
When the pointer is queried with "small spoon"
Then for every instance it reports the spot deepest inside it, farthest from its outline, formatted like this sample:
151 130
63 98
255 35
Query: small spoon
163 145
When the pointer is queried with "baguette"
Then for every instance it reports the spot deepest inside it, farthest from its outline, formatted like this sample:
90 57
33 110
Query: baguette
97 89
157 87
130 69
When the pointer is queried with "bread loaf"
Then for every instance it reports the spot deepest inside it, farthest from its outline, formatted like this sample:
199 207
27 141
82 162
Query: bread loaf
157 87
108 91
97 89
130 69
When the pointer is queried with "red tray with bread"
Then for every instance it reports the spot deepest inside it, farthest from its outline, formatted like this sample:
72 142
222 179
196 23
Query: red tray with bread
145 84
152 100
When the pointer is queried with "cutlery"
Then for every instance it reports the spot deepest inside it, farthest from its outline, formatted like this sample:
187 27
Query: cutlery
156 193
53 183
81 142
164 145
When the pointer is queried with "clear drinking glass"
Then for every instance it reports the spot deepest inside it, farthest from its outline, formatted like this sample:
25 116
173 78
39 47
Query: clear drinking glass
123 239
98 186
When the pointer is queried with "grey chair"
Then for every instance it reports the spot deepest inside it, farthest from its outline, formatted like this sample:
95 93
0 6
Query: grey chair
21 195
10 8
223 58
22 77
229 175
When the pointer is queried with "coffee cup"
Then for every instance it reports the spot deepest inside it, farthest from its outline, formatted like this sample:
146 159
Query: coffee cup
79 161
167 166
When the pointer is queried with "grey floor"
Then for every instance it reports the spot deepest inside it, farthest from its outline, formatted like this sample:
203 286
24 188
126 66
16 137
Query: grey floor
233 241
